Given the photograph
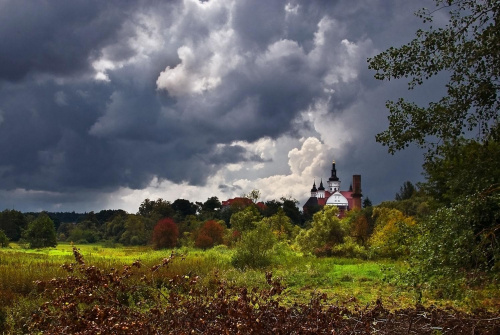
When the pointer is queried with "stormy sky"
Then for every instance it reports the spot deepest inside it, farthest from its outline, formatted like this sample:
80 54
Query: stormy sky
106 103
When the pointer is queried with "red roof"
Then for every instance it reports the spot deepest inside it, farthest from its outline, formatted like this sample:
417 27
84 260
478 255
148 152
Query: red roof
243 201
348 196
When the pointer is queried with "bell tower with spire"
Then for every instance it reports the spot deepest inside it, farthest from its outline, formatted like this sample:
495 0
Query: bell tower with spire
333 181
314 190
321 190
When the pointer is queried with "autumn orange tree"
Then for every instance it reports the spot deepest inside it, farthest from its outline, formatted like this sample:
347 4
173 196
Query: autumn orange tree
210 234
165 234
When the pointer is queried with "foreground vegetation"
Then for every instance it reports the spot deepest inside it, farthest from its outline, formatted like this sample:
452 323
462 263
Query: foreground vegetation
196 278
132 290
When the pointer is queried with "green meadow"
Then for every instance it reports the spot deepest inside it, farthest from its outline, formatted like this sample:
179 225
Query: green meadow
344 280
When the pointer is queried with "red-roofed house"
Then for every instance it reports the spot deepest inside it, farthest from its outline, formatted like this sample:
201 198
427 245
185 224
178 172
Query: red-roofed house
243 202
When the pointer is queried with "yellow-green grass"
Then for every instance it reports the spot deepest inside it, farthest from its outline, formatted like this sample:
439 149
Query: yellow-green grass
343 280
21 268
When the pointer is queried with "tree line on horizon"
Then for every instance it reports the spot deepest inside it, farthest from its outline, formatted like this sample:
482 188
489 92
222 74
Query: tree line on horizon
120 227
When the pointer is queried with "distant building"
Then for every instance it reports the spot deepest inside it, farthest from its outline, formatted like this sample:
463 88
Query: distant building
333 196
242 202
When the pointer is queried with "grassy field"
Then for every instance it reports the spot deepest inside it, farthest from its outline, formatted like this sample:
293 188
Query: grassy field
342 279
351 287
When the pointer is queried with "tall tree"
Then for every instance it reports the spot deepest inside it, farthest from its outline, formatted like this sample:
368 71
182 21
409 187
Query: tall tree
290 206
135 231
468 50
183 208
12 222
115 227
41 232
281 225
367 202
254 195
156 209
272 207
466 167
212 204
406 191
210 209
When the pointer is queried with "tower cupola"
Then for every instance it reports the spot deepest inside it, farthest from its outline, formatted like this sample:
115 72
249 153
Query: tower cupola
333 181
314 190
321 190
334 173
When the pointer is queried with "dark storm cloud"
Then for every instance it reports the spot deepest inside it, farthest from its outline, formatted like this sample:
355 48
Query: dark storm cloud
57 37
83 109
270 27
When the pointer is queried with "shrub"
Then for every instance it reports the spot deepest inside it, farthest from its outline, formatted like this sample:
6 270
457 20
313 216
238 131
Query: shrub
165 234
392 233
327 229
204 241
452 248
349 249
4 240
255 247
3 320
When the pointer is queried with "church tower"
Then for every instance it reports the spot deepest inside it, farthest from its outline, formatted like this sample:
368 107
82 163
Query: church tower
333 196
333 181
314 190
321 190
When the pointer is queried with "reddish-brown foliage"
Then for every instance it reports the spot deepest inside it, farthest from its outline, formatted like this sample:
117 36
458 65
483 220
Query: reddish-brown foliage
210 234
203 241
90 301
165 234
361 229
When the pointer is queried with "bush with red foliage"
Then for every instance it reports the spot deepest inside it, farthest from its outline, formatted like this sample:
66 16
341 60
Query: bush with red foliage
210 234
203 241
165 234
